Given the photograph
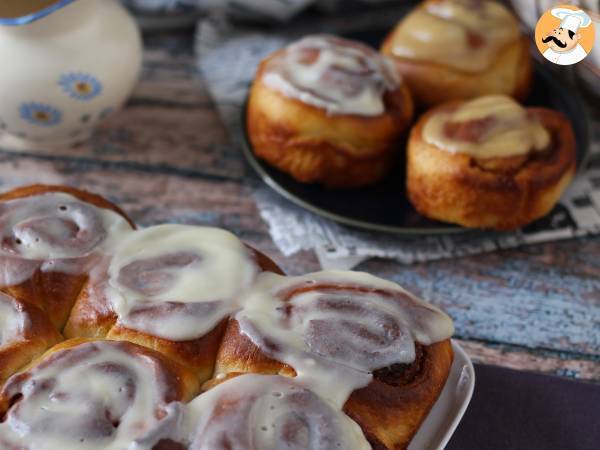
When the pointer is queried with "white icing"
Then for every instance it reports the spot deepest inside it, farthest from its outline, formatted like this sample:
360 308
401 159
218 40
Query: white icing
178 282
340 76
12 320
94 396
463 34
268 412
509 130
46 231
334 337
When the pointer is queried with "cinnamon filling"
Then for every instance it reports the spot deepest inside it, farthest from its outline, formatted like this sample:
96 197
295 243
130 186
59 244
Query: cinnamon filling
487 128
403 374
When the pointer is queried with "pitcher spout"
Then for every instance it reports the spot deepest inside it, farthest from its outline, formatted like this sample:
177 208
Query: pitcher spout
23 12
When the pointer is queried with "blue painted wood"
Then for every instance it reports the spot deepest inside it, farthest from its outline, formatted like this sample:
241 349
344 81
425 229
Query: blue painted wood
514 298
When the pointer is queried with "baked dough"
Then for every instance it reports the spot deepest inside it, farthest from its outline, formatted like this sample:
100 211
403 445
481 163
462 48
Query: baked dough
330 111
489 163
460 49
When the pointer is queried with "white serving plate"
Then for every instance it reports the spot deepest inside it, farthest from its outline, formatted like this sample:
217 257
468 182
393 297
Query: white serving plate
444 417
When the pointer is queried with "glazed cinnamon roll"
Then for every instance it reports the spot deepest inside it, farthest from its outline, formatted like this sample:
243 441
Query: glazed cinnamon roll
90 395
25 333
265 412
460 49
170 288
364 344
328 110
50 239
489 163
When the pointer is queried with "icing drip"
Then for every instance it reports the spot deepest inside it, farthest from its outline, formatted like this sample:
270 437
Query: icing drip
178 282
51 232
335 328
12 320
463 34
487 127
263 412
340 76
95 395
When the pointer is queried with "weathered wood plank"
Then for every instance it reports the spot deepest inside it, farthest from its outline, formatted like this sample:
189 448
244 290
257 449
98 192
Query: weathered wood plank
562 364
522 297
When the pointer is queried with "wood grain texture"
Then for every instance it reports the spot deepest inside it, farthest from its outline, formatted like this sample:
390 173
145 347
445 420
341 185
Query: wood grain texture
167 158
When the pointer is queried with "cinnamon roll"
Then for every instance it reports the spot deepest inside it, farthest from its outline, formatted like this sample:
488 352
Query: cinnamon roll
328 110
170 288
264 412
325 360
460 49
489 163
363 344
25 333
90 395
50 239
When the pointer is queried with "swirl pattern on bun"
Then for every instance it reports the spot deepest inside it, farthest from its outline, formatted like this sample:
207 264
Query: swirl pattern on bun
171 288
268 412
328 110
460 49
489 162
339 333
90 395
51 237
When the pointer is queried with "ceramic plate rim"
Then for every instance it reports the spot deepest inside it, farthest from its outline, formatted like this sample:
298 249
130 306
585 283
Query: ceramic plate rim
462 368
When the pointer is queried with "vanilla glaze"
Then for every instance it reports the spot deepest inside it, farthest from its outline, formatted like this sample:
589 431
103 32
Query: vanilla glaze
12 320
466 35
337 75
176 281
93 396
500 127
268 408
52 232
335 327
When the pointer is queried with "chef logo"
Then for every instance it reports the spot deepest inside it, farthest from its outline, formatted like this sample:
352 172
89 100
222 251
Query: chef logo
565 35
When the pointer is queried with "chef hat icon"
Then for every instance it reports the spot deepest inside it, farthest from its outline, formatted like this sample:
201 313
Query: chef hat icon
571 19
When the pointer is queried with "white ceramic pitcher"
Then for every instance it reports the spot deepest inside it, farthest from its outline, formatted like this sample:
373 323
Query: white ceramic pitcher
64 66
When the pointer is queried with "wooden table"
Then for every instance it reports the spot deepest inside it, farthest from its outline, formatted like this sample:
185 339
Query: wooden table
166 158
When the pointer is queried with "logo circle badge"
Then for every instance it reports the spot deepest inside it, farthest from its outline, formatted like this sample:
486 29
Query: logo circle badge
564 35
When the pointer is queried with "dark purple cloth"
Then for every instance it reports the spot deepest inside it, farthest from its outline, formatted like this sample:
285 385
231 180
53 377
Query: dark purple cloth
513 410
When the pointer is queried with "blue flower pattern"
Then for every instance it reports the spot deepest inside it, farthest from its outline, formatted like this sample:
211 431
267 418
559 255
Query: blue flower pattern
40 114
80 86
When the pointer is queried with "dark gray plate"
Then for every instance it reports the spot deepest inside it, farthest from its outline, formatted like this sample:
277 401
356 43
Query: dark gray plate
384 206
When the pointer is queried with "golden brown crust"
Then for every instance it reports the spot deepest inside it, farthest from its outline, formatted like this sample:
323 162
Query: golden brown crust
502 194
36 337
339 151
511 74
54 292
198 355
238 354
389 413
93 317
